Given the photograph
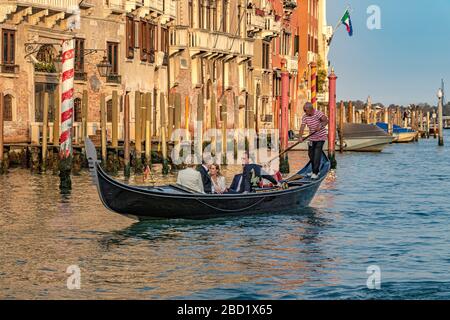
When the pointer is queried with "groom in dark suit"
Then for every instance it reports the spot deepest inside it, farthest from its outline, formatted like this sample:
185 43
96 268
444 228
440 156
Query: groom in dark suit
206 179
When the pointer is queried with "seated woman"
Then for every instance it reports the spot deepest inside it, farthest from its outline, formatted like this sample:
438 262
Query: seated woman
218 183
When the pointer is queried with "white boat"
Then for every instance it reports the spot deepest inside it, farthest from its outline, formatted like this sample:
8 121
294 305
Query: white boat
357 137
402 137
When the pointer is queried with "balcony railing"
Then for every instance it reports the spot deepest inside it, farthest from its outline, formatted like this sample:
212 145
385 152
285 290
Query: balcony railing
255 22
116 5
114 78
179 37
9 68
272 27
155 5
246 48
291 63
62 5
131 5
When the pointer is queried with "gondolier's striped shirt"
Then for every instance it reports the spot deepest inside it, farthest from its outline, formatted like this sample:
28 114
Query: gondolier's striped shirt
313 123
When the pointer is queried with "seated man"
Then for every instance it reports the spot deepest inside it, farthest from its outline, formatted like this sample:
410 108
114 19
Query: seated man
252 175
203 169
236 185
190 178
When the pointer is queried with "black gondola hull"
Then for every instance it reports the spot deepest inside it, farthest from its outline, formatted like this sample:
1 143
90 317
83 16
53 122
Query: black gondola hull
166 202
142 204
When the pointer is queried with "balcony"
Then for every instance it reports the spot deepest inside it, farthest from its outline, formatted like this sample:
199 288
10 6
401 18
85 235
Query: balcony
131 5
155 5
256 21
9 68
178 40
311 57
116 6
170 11
272 27
218 45
114 78
51 11
58 5
291 64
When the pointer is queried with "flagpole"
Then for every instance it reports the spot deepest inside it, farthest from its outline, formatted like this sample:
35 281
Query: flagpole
338 25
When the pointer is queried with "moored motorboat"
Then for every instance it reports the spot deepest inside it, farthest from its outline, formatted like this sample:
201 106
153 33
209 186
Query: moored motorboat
357 137
175 201
400 135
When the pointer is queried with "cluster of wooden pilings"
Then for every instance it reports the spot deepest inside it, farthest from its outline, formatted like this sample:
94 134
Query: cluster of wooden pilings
424 121
152 128
115 154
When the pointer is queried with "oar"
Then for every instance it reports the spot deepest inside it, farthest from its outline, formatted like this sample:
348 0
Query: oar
288 149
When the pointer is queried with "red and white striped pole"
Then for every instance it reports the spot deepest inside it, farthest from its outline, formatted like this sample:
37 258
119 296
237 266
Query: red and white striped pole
65 139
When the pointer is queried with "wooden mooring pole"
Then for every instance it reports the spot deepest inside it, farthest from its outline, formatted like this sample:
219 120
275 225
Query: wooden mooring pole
332 119
137 133
341 126
56 118
148 129
103 127
165 169
115 120
440 120
2 160
84 114
45 134
126 135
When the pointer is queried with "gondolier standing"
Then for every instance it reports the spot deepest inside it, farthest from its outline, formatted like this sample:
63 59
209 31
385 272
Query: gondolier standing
316 122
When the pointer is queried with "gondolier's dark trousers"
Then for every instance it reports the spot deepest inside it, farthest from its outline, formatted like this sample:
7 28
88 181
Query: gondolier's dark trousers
315 154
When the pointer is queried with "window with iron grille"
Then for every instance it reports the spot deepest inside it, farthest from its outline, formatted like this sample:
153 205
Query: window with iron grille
7 107
130 37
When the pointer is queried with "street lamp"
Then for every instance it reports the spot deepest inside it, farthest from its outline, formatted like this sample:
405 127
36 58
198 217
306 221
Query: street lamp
439 93
104 67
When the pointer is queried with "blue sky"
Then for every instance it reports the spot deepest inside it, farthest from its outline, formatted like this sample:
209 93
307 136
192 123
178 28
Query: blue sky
401 63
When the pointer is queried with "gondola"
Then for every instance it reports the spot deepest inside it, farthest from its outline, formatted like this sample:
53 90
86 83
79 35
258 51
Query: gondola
176 202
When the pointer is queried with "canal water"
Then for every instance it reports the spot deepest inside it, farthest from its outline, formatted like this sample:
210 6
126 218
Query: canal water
387 212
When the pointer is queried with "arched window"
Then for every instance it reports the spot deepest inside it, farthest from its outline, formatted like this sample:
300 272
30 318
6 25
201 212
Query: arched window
109 111
78 115
8 108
